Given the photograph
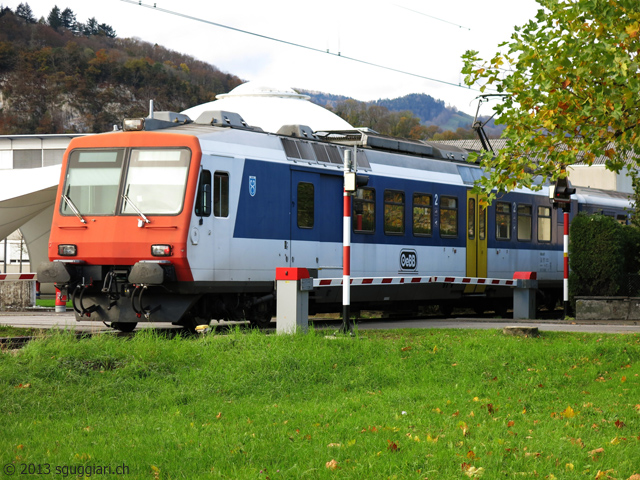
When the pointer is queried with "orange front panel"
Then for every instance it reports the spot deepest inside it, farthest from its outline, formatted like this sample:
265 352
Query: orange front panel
118 240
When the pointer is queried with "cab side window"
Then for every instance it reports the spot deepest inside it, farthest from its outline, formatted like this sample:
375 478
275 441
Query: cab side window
203 200
221 194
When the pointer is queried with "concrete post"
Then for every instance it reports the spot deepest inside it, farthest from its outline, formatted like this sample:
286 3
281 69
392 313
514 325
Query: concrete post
292 305
524 295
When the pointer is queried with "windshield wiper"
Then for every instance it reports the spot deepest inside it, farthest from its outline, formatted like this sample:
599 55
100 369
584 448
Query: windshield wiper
73 208
133 205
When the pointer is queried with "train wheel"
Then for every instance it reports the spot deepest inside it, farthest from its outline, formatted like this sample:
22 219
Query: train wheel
124 326
260 315
446 309
190 323
500 309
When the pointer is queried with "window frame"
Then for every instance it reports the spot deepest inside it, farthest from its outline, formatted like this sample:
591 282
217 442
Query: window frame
524 216
393 206
204 201
428 213
449 209
362 201
219 196
508 216
305 211
539 218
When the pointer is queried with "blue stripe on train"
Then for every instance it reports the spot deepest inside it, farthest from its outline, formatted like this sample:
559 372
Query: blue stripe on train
269 212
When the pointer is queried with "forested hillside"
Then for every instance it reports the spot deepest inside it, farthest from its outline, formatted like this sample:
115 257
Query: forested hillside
417 116
61 75
58 75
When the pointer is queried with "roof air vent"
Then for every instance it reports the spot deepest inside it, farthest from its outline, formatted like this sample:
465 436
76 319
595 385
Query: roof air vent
300 131
220 118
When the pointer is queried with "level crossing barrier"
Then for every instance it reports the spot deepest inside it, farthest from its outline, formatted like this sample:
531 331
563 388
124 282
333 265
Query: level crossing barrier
293 286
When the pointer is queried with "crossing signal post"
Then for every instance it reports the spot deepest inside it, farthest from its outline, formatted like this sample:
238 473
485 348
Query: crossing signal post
560 196
351 183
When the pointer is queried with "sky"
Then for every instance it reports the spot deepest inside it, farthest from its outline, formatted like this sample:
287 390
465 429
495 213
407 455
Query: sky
422 37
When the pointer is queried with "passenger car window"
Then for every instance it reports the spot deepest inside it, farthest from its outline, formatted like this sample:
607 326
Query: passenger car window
364 210
393 212
305 205
525 219
448 216
544 224
422 206
503 221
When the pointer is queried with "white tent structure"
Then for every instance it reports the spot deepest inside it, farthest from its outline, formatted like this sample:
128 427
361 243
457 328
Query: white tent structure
270 108
26 203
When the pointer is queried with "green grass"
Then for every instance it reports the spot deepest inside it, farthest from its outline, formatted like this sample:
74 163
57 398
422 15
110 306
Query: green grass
50 303
413 404
9 331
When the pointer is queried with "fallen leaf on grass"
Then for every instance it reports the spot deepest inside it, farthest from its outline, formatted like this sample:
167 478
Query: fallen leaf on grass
393 446
596 454
604 474
473 472
619 424
333 445
635 476
510 424
155 471
23 385
404 349
332 465
577 441
569 412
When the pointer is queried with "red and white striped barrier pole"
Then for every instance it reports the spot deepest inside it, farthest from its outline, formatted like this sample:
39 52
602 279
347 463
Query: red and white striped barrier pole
346 249
566 265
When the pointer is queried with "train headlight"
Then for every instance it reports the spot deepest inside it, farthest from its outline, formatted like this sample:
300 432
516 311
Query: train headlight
161 250
67 250
133 124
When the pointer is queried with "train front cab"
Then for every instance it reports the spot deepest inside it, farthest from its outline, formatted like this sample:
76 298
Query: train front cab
121 220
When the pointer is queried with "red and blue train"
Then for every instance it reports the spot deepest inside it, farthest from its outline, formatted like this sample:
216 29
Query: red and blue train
179 221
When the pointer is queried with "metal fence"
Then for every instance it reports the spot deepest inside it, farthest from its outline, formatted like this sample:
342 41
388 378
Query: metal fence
633 285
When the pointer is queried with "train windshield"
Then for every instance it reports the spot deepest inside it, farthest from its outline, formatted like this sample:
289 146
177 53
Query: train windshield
92 182
153 181
156 181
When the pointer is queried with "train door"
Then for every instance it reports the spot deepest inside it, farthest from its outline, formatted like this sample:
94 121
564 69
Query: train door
476 242
211 230
316 220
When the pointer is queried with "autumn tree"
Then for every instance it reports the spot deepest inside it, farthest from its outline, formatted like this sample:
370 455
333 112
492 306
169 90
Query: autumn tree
570 79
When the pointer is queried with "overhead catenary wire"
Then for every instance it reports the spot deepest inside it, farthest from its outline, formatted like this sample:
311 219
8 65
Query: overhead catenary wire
431 16
294 44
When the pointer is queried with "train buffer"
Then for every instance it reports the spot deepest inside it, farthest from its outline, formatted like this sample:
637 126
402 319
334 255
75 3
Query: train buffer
293 286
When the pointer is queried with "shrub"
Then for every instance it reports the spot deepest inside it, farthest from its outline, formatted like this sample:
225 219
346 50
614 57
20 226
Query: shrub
602 253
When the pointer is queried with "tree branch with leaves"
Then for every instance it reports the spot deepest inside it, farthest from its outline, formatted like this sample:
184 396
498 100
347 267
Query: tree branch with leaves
571 80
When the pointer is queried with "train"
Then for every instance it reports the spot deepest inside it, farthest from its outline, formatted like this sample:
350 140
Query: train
182 221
